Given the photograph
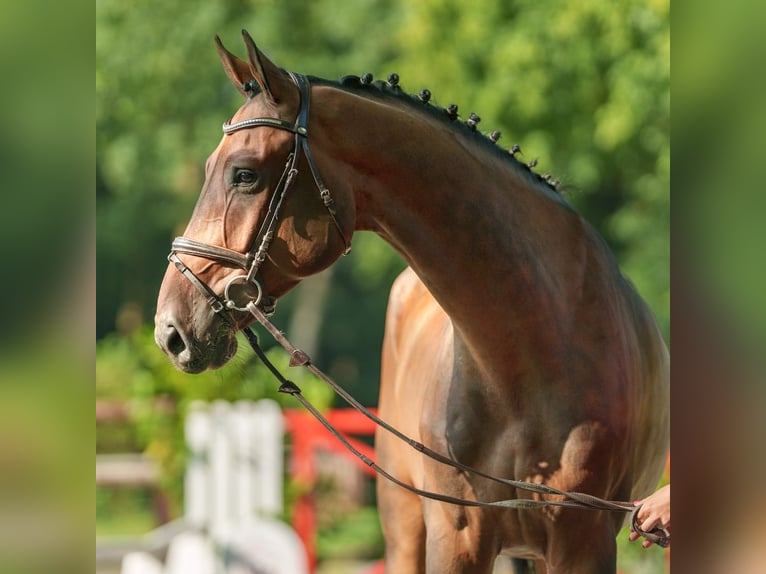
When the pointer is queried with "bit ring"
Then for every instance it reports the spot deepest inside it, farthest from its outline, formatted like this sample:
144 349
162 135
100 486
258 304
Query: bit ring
230 303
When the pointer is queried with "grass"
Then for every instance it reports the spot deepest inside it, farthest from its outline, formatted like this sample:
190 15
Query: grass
123 512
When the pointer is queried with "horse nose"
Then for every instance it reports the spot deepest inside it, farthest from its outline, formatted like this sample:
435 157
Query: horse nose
170 340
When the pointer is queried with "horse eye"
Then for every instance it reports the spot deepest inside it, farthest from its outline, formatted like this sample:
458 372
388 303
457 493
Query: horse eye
244 177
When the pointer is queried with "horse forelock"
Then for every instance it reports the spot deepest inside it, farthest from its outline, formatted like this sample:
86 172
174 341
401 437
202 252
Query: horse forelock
421 103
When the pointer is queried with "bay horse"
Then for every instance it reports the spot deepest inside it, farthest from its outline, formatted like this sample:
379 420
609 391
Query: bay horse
513 343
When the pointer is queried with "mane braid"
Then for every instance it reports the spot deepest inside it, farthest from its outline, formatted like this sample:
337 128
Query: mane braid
421 102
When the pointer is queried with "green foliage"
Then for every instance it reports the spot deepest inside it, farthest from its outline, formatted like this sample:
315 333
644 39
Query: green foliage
634 559
123 512
354 535
134 370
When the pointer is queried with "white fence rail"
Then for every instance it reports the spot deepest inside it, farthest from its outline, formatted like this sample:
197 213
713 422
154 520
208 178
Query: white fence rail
233 496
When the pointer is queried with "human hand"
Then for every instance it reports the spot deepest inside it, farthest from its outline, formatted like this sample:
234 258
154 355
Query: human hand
654 513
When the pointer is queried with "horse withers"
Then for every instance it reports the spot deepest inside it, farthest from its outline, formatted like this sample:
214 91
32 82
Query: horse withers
513 343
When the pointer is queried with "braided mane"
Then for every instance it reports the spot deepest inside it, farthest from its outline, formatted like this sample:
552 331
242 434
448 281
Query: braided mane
449 115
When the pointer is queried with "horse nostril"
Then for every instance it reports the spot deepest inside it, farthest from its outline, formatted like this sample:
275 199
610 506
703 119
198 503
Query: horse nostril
175 342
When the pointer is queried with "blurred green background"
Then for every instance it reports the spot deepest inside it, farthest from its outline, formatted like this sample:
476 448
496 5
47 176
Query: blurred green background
581 86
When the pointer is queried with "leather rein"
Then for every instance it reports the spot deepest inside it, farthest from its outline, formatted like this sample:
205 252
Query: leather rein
262 306
298 358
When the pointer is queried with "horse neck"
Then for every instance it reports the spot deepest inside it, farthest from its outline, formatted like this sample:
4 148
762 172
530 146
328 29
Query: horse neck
498 253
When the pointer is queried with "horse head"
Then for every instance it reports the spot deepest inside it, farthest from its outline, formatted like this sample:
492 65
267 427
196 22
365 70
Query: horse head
264 220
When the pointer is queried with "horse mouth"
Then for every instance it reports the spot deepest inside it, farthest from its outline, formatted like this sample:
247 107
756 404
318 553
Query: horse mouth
193 354
209 357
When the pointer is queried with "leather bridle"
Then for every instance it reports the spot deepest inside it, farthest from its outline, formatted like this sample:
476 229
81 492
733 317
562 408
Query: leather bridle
252 260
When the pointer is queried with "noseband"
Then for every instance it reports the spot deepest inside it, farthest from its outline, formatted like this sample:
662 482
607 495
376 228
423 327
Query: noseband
252 260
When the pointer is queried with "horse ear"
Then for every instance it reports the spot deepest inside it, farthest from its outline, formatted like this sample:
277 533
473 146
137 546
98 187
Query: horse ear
237 70
263 70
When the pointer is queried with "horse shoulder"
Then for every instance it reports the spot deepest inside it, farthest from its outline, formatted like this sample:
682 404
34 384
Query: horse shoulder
410 305
416 358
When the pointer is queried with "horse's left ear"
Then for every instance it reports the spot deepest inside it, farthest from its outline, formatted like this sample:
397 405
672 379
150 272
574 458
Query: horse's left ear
237 70
269 77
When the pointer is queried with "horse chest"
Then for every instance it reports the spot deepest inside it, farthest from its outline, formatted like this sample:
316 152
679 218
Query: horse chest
465 417
495 425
